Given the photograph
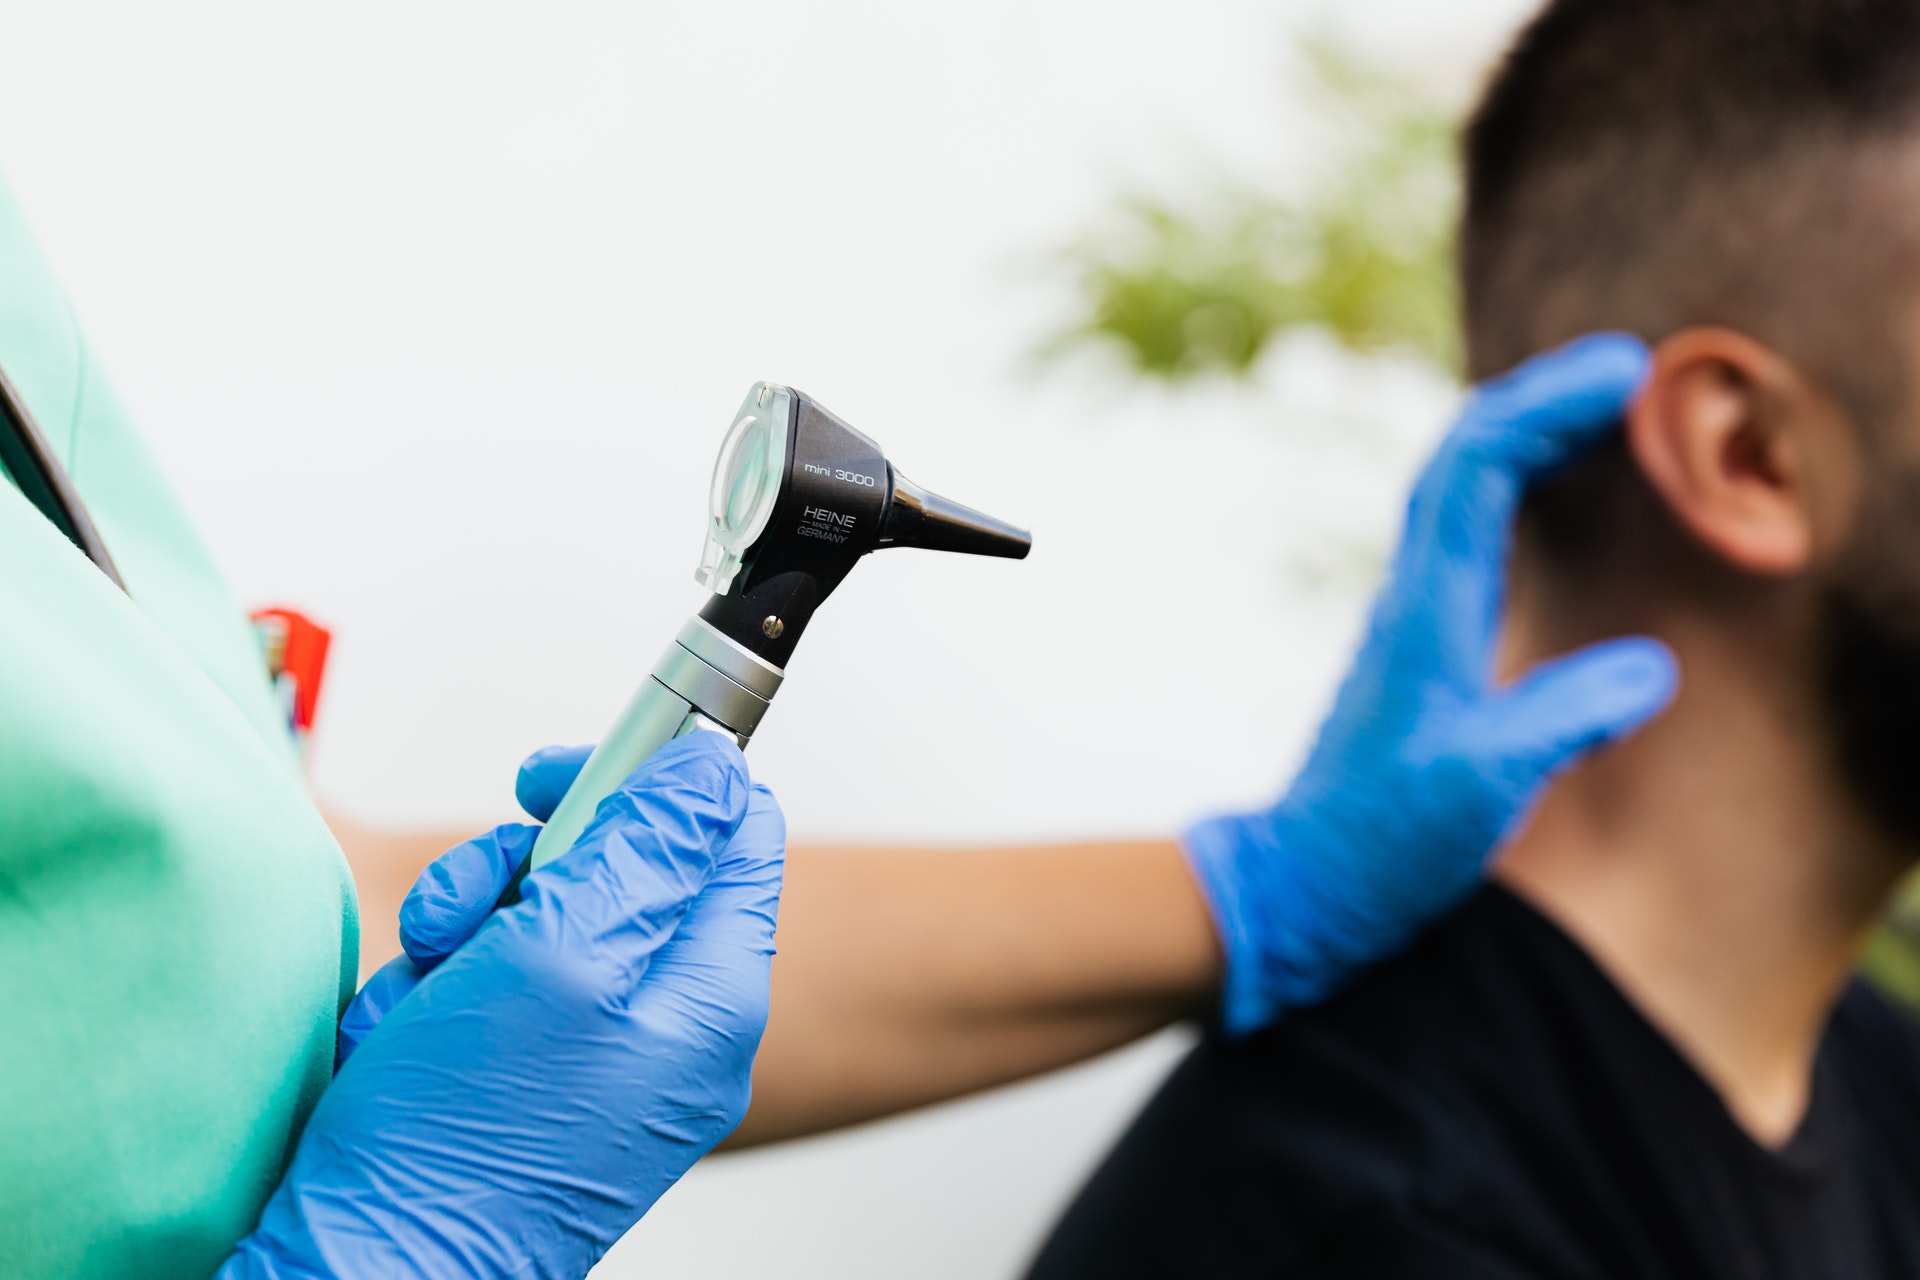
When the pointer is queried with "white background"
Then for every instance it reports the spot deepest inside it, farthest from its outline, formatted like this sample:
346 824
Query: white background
436 312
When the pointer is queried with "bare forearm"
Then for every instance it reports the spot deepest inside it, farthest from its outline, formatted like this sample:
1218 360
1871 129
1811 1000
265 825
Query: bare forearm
908 976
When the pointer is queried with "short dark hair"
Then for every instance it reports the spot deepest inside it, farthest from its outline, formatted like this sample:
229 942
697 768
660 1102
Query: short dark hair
1648 165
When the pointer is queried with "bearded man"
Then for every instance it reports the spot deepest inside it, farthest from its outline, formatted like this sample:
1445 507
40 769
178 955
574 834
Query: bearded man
1641 1052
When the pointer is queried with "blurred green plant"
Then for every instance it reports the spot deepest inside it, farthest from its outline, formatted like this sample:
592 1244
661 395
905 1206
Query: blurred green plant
1892 958
1365 253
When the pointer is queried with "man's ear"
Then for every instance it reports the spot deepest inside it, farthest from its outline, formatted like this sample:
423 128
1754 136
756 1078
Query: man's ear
1741 447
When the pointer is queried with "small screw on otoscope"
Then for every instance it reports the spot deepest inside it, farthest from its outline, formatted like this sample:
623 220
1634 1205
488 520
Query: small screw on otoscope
771 627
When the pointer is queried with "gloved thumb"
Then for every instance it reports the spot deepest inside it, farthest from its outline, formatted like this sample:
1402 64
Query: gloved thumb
545 776
651 848
1563 709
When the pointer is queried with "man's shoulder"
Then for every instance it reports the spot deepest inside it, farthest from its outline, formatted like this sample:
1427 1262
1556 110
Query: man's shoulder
1868 1018
1460 1073
1489 1009
1378 1118
1490 1091
1873 1045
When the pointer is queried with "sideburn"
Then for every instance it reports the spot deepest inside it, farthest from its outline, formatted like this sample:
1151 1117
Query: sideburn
1870 656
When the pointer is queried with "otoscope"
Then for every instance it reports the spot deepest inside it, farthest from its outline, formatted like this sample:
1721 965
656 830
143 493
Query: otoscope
798 497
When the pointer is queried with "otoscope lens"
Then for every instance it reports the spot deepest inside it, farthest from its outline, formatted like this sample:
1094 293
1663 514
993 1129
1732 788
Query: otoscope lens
742 479
746 484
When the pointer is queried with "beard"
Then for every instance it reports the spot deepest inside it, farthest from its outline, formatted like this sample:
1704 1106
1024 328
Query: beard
1870 656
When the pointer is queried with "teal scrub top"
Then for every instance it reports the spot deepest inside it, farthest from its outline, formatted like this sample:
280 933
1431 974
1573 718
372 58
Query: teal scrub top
178 930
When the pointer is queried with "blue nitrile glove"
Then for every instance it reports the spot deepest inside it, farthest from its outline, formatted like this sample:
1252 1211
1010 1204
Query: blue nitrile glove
447 904
455 894
1425 765
520 1106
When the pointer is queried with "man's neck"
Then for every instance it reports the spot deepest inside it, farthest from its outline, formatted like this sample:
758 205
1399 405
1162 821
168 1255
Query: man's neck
1711 866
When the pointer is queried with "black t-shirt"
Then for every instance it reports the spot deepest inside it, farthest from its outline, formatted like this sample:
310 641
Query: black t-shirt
1489 1105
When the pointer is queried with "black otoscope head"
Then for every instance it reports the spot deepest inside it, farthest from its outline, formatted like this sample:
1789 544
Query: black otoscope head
798 497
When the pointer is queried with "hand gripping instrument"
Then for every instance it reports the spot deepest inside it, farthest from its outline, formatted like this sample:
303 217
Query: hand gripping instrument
798 497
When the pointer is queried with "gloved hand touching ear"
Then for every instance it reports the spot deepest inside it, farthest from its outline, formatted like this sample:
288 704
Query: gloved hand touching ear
520 1089
1425 765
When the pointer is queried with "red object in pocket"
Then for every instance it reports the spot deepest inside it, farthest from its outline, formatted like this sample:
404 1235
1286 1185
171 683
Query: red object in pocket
296 651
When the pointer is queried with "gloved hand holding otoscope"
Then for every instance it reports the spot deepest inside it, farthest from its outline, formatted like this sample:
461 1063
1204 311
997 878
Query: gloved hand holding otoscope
601 1032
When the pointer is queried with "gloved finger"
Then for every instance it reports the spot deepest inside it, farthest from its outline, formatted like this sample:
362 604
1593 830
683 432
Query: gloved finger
1452 561
1549 408
545 776
706 989
1538 416
736 912
456 892
1562 709
757 855
389 985
763 832
651 848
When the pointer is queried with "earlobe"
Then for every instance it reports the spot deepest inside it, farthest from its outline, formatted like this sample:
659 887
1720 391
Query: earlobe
1718 431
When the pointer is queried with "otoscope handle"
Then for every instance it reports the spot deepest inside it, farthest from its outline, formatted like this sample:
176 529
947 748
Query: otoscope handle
653 716
702 677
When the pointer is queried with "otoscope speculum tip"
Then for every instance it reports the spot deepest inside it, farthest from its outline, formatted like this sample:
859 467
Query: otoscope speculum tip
919 518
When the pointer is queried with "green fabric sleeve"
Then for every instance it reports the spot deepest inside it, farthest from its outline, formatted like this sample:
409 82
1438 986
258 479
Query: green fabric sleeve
177 927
